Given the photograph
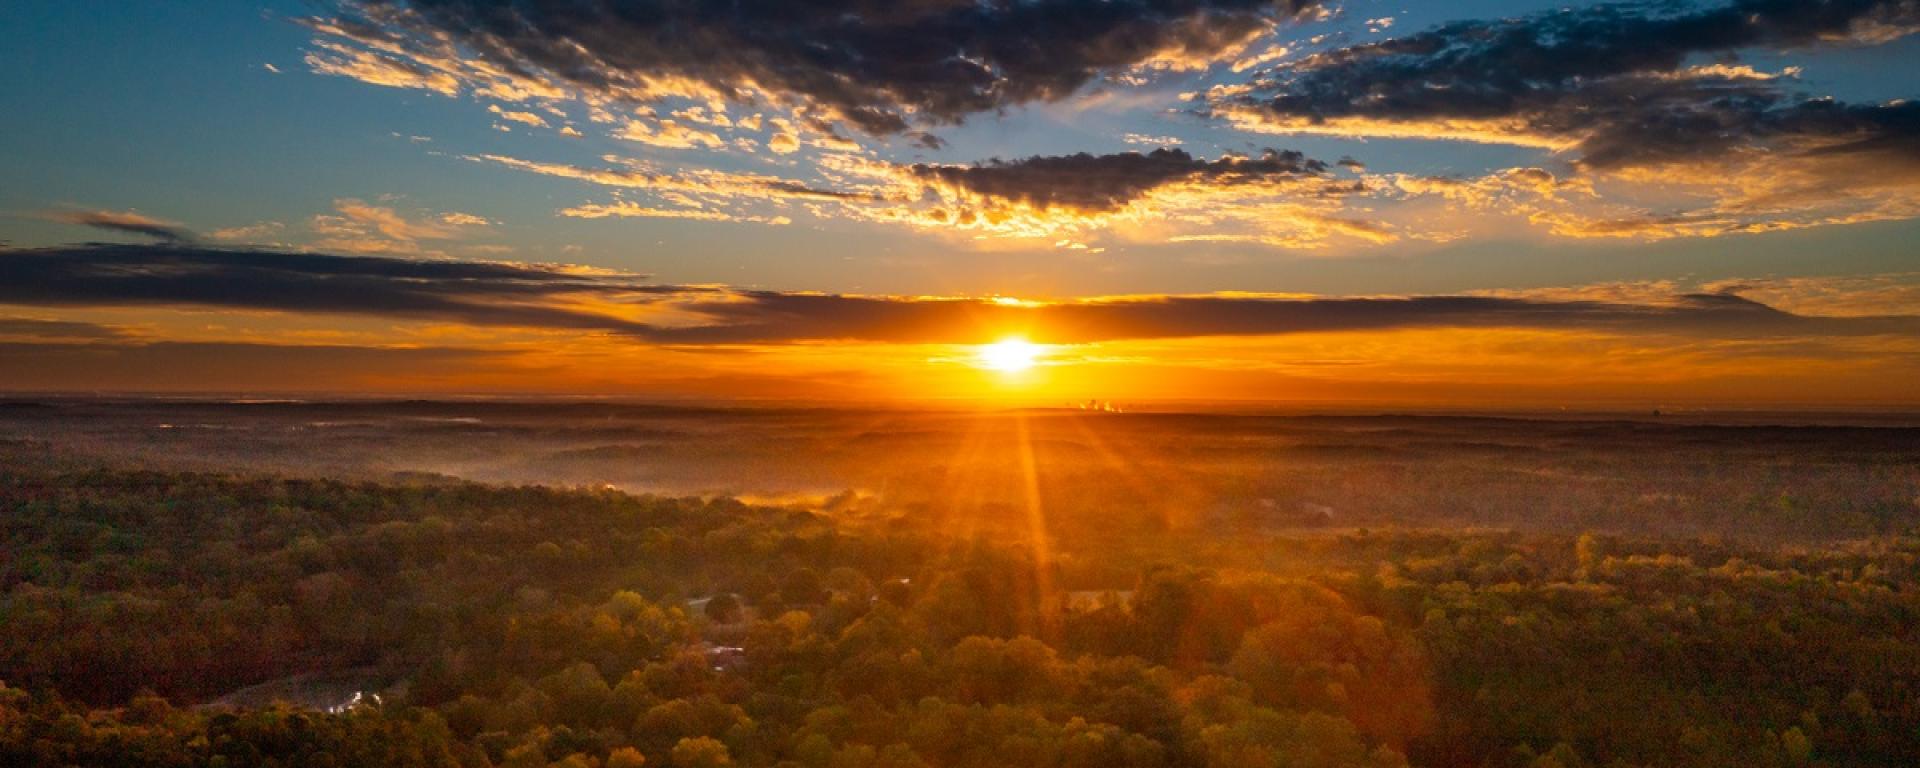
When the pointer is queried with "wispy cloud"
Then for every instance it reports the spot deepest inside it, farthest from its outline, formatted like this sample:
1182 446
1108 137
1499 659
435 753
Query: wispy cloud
39 328
248 233
622 209
518 116
357 226
367 66
126 222
669 134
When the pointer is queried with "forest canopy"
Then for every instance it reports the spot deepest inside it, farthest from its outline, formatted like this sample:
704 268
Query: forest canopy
172 618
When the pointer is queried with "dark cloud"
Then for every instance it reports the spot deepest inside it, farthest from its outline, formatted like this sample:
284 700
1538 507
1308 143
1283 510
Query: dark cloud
126 222
1087 182
1649 121
32 327
873 61
200 367
1619 80
767 317
468 292
544 297
794 189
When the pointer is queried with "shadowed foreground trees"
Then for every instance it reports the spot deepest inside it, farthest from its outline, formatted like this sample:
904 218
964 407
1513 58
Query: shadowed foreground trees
537 627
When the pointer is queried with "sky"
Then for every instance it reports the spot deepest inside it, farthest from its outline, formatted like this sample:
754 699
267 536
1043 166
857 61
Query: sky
1487 203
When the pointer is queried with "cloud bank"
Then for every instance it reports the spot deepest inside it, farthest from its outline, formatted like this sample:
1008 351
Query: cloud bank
554 298
477 293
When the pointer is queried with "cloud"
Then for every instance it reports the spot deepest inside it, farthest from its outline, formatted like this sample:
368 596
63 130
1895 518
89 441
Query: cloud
623 306
1647 98
766 317
391 224
248 233
785 139
721 187
458 219
1090 183
357 226
377 69
1703 199
1668 131
1610 81
622 209
127 222
669 134
523 118
873 64
1883 294
1283 199
475 293
37 328
201 366
1277 199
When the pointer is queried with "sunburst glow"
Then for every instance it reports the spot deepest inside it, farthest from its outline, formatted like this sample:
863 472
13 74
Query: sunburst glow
1009 355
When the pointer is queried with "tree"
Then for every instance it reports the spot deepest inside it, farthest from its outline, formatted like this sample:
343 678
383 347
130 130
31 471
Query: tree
802 587
700 752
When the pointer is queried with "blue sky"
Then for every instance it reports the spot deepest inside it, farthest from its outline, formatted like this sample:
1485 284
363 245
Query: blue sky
281 127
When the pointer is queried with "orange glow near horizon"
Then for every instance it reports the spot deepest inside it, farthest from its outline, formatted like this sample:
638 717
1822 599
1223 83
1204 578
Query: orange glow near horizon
289 353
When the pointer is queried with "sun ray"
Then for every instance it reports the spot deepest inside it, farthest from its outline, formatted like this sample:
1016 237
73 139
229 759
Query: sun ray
1048 609
1126 469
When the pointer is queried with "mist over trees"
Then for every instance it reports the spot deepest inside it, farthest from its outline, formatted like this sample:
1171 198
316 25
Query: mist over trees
153 616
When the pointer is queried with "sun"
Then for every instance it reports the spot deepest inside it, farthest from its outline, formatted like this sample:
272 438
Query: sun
1009 355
